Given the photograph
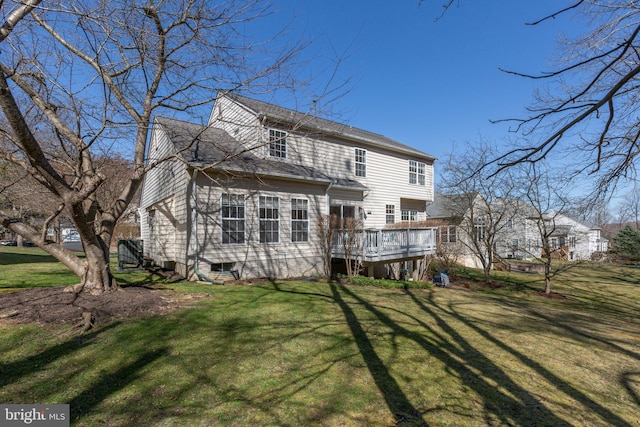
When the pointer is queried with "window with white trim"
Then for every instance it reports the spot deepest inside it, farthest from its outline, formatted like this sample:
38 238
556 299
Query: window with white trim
409 214
390 214
447 234
480 229
233 218
222 267
277 143
361 162
269 211
299 220
417 172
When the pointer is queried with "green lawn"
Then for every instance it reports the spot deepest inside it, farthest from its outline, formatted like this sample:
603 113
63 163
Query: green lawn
314 353
22 268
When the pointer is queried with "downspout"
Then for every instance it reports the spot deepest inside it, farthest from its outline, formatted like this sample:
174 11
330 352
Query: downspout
327 202
194 215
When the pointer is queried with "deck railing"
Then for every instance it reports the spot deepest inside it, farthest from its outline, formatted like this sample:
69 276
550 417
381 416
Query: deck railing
386 244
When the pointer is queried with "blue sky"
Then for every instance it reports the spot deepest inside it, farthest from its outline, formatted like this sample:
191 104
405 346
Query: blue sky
426 82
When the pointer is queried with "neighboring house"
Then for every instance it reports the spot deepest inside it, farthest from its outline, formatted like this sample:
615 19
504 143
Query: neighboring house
577 239
570 239
518 236
452 215
243 195
460 218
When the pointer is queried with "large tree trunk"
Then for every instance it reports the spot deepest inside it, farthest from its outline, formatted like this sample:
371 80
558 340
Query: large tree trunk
97 277
93 270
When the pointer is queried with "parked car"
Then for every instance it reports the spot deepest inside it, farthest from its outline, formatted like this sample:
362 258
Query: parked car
8 243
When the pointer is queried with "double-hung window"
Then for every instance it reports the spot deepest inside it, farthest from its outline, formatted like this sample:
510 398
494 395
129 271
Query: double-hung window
361 162
390 214
277 144
233 218
417 173
480 229
447 234
269 219
299 220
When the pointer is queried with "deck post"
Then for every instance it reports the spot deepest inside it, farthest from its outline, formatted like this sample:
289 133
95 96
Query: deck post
370 270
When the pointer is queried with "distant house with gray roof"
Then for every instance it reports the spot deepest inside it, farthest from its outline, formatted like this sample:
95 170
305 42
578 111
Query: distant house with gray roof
517 228
243 194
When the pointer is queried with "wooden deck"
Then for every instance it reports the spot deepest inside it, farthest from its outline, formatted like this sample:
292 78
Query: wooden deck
388 244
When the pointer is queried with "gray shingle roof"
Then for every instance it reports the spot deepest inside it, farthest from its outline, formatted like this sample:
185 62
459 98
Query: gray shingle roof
216 149
285 115
448 205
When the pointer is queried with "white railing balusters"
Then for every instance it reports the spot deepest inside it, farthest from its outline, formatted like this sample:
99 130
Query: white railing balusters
390 242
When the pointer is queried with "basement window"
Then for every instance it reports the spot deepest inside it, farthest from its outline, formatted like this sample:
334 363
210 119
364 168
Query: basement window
222 267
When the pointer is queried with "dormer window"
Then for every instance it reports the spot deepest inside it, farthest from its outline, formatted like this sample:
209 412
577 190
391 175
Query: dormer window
277 143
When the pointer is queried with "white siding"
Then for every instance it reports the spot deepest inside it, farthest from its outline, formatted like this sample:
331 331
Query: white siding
163 192
255 259
387 172
239 122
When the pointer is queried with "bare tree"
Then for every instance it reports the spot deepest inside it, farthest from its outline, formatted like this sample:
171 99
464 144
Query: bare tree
588 106
592 98
630 207
326 228
478 189
80 80
352 240
546 198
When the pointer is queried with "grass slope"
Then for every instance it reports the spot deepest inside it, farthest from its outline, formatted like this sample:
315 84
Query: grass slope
301 353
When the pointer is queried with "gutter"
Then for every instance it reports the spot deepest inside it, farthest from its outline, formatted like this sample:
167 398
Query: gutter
196 268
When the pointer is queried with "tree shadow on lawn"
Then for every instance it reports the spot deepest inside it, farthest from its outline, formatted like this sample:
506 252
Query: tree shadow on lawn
631 382
85 401
566 322
398 403
518 406
13 372
488 368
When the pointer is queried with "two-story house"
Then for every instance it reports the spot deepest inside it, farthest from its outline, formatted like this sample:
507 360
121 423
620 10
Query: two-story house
579 240
244 194
568 238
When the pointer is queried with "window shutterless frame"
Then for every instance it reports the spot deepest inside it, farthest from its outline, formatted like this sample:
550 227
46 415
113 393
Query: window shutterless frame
360 162
277 143
233 217
299 220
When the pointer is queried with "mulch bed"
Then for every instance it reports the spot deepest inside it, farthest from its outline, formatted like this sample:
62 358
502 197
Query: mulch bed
59 305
